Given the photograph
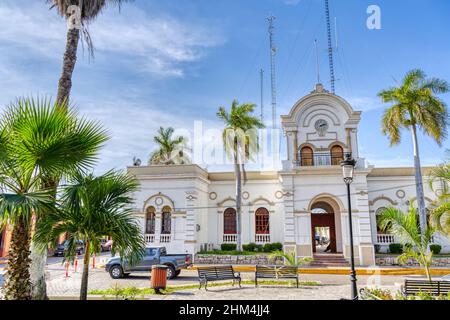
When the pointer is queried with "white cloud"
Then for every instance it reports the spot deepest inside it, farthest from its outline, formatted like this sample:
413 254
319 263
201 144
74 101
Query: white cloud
160 45
365 103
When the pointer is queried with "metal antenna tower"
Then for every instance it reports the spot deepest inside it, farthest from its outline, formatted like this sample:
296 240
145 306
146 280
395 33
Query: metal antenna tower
262 95
273 52
330 47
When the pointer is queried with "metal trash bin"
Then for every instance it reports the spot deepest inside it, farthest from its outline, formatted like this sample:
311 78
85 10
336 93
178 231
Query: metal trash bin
158 278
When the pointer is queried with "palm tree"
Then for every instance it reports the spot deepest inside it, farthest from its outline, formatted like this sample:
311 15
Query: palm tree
92 208
290 258
88 10
170 151
406 227
19 199
441 214
42 141
415 106
240 143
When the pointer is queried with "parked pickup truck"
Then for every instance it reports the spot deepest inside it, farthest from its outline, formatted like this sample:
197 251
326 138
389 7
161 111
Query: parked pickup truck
153 256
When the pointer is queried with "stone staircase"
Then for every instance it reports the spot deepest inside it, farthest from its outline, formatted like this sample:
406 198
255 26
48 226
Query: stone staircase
329 260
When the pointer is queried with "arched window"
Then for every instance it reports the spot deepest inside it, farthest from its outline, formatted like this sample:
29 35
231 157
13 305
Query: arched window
307 156
166 220
262 221
229 221
337 155
378 214
150 220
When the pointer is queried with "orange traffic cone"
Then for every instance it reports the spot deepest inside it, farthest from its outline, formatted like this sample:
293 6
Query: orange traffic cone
67 269
76 263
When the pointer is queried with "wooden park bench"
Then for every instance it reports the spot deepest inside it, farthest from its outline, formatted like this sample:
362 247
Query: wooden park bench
276 272
434 288
217 273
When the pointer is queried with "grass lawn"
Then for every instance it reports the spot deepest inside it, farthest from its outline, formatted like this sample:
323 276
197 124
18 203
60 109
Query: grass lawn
133 292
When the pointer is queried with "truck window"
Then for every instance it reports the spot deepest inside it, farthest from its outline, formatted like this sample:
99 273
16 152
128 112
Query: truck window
150 251
163 252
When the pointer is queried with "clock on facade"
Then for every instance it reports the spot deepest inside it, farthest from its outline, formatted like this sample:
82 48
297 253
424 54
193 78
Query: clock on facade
321 126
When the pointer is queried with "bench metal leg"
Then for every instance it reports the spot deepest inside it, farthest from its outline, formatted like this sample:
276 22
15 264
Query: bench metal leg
240 283
256 282
297 281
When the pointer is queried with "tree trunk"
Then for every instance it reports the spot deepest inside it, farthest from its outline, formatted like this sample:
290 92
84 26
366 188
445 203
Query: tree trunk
17 279
39 253
70 59
84 277
37 272
419 184
237 171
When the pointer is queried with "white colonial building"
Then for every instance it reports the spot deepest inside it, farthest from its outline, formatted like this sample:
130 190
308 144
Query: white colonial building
187 209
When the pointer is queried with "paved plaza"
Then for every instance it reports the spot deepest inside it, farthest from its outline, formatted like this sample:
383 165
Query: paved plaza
331 287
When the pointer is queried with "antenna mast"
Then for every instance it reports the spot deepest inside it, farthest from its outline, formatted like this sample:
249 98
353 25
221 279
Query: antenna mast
262 95
330 47
273 52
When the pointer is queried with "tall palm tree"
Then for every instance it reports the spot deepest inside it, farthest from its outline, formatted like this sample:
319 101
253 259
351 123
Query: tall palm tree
240 143
406 227
441 214
44 141
92 208
88 11
170 150
416 106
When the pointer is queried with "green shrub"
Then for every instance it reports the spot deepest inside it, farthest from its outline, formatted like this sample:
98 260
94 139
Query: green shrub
380 293
435 248
228 246
277 246
377 248
396 248
267 247
249 247
259 248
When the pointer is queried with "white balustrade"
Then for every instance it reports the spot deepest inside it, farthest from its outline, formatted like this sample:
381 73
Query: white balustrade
229 238
262 238
165 238
149 238
385 238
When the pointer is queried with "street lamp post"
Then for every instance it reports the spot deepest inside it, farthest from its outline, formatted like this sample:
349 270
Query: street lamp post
348 167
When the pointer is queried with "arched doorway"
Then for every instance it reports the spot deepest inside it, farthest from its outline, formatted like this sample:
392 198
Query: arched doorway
323 227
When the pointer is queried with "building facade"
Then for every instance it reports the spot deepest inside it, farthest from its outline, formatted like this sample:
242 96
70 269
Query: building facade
188 209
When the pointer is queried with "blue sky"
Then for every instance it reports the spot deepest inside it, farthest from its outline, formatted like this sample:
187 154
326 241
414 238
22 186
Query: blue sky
173 62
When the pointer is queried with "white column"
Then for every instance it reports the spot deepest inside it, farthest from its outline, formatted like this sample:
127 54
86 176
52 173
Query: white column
191 222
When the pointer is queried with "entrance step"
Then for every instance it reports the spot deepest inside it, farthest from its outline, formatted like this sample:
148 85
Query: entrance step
329 260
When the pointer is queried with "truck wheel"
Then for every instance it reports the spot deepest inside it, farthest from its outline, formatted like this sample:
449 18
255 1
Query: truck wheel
116 272
171 273
177 273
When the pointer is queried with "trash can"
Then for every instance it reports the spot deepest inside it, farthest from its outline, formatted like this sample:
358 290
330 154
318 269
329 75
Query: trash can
158 278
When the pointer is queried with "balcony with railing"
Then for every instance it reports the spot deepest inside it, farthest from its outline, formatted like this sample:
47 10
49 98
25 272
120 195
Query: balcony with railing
262 238
319 159
385 238
149 238
229 238
165 238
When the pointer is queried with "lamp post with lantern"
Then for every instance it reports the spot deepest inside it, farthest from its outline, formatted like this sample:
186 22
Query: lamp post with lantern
348 168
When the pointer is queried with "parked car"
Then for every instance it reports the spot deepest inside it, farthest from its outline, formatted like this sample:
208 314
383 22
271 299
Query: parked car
106 245
153 256
61 248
